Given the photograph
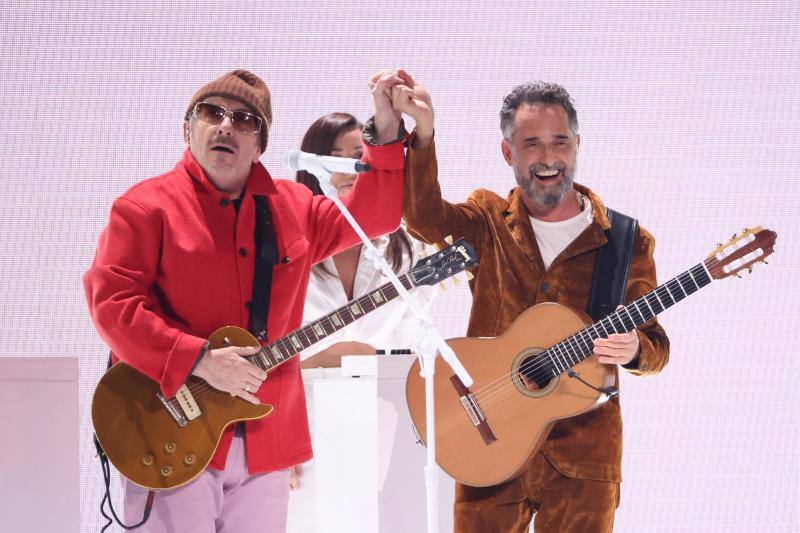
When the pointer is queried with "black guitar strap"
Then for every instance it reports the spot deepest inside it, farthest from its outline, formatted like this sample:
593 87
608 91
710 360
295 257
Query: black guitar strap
106 467
610 278
613 265
266 258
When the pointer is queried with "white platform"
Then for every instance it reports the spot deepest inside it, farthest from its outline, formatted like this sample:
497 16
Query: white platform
367 474
39 464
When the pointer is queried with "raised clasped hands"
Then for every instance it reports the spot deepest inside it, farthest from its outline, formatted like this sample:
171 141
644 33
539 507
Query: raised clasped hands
395 93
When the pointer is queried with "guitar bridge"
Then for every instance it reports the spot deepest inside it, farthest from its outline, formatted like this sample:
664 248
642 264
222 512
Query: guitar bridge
474 411
173 410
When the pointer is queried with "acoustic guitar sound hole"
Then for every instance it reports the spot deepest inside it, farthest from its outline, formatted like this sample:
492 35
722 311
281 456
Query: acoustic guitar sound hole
531 372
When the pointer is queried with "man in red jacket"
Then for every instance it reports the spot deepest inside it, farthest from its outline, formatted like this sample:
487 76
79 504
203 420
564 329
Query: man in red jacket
177 261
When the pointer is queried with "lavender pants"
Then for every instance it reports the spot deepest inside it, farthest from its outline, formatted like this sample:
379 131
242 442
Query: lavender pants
227 501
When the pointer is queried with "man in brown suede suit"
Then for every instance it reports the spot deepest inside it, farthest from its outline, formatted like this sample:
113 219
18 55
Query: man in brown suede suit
537 245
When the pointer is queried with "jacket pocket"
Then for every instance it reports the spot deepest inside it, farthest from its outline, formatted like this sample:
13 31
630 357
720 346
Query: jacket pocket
293 255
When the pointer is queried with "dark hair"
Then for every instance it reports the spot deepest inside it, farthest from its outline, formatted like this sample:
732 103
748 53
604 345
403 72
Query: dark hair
537 92
319 139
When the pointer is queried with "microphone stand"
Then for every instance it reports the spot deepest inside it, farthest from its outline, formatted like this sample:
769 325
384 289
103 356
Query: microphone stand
430 344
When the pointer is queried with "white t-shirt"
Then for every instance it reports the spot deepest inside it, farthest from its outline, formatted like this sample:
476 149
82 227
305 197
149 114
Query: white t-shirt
554 237
392 325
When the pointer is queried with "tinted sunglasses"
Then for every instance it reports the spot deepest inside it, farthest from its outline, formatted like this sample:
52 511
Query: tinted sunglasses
242 121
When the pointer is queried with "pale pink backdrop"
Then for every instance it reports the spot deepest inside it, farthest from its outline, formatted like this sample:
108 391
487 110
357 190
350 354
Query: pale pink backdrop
689 120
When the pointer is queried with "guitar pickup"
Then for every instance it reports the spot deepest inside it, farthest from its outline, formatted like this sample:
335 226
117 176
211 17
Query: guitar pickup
186 408
474 411
188 403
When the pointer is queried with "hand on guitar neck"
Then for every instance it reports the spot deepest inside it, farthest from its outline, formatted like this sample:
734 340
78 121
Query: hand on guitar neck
618 348
226 369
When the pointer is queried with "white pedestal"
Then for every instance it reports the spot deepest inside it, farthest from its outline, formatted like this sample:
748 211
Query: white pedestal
39 467
367 474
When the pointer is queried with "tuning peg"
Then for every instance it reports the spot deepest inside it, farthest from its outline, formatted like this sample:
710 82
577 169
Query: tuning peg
449 239
750 270
456 282
766 263
734 236
470 275
719 245
442 286
436 247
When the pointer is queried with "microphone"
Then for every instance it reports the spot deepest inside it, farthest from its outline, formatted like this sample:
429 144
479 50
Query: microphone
296 160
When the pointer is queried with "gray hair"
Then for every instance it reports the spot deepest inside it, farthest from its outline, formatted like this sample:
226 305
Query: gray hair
537 92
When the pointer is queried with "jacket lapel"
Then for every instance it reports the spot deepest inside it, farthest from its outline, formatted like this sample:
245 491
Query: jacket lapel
287 228
593 237
521 230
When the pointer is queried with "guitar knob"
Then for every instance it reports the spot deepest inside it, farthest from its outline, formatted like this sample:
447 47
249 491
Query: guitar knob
166 470
147 460
170 447
449 239
189 459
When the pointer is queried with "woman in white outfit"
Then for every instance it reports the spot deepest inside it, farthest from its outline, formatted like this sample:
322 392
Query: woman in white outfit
347 275
350 274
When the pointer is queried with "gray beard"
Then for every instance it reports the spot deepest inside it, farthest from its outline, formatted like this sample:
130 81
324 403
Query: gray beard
550 197
546 196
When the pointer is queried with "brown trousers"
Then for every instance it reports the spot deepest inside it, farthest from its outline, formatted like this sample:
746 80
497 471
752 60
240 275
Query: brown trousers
562 504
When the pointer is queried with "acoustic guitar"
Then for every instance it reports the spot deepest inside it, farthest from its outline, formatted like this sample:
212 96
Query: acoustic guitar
162 443
542 370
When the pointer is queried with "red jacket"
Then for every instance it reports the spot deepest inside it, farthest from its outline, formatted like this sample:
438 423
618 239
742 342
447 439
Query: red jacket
176 262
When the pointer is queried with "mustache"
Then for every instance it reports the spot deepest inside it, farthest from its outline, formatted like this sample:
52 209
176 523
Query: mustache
225 141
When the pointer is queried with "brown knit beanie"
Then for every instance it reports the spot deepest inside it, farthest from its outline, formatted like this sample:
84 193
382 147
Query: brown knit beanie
245 87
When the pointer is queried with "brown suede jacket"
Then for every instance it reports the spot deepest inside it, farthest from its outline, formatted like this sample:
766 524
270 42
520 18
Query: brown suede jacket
511 277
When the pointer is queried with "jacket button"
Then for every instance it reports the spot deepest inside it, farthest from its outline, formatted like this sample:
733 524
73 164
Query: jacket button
224 202
285 260
243 251
544 287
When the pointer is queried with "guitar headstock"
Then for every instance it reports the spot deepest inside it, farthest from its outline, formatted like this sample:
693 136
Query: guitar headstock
447 262
741 252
